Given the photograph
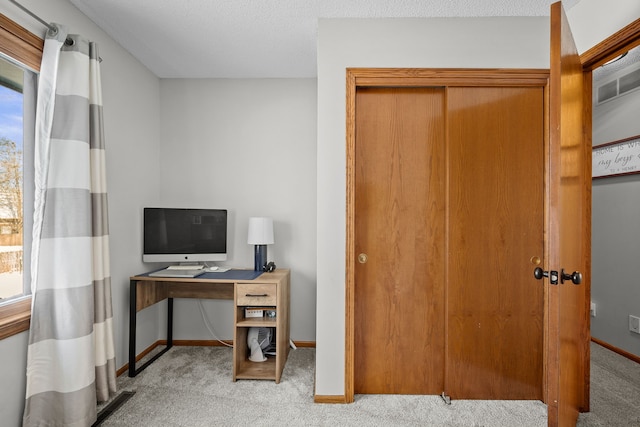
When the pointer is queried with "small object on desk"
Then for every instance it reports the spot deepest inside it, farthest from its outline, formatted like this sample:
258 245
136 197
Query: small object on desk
216 269
269 268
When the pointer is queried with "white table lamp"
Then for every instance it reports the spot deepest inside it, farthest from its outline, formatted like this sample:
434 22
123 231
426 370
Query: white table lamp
260 235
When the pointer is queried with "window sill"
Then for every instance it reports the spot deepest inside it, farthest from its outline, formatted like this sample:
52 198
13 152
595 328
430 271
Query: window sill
15 318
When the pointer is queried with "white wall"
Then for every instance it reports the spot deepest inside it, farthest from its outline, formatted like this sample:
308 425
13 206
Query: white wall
13 368
131 96
246 145
594 20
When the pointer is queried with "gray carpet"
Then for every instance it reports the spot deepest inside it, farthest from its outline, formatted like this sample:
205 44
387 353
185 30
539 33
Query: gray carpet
192 386
615 391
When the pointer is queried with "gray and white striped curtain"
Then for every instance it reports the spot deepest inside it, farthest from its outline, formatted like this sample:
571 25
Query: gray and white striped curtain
71 358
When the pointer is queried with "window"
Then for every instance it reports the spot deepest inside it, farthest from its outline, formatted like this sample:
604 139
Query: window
11 180
20 57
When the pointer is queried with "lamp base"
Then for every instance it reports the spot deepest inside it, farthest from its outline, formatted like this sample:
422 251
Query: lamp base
260 257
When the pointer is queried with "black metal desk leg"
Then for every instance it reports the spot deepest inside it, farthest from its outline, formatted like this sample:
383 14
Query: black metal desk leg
132 333
169 323
132 327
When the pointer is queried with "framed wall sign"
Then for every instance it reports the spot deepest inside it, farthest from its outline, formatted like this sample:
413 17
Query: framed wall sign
617 158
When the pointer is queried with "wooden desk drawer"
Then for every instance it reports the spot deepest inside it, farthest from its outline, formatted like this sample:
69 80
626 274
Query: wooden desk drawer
259 294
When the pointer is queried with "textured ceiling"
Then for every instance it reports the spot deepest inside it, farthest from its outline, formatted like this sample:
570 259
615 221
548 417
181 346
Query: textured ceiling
253 38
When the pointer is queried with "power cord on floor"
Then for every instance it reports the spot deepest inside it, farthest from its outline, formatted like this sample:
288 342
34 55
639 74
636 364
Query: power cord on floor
208 325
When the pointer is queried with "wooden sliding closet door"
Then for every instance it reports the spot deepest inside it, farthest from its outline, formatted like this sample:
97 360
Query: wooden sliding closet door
448 224
496 225
399 235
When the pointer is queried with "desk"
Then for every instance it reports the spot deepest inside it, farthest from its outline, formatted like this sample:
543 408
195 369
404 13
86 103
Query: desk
145 291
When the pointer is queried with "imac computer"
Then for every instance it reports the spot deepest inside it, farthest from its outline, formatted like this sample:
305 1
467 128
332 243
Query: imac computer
184 236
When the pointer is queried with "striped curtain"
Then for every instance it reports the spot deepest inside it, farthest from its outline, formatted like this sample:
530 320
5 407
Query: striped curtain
71 358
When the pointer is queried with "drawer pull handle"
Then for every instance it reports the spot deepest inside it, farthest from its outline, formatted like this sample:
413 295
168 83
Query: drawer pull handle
256 295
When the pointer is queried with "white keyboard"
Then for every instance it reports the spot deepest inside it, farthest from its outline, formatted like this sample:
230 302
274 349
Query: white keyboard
177 273
185 267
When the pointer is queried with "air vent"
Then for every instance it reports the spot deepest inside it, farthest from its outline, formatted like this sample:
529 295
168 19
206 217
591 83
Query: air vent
630 81
618 87
607 91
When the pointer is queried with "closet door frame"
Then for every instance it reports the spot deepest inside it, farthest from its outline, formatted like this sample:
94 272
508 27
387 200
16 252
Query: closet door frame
408 77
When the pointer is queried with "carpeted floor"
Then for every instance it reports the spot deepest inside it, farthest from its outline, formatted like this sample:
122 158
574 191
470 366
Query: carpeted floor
615 391
192 387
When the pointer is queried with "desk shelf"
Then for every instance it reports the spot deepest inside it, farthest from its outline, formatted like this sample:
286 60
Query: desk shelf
248 370
257 323
271 292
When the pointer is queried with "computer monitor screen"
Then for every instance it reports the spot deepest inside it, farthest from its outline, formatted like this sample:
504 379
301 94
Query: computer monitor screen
184 235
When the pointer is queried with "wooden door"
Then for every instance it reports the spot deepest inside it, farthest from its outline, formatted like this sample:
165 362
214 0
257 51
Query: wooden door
456 257
399 231
495 307
569 230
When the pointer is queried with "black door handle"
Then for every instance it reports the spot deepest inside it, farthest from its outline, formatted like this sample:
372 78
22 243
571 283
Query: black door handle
575 277
539 273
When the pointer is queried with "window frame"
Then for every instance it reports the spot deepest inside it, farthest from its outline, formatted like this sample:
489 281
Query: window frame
25 47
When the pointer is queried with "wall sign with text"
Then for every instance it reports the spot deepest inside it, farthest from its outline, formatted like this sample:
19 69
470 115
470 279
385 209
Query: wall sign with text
617 158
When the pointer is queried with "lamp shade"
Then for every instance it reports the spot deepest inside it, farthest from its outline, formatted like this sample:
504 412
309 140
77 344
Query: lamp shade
260 231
